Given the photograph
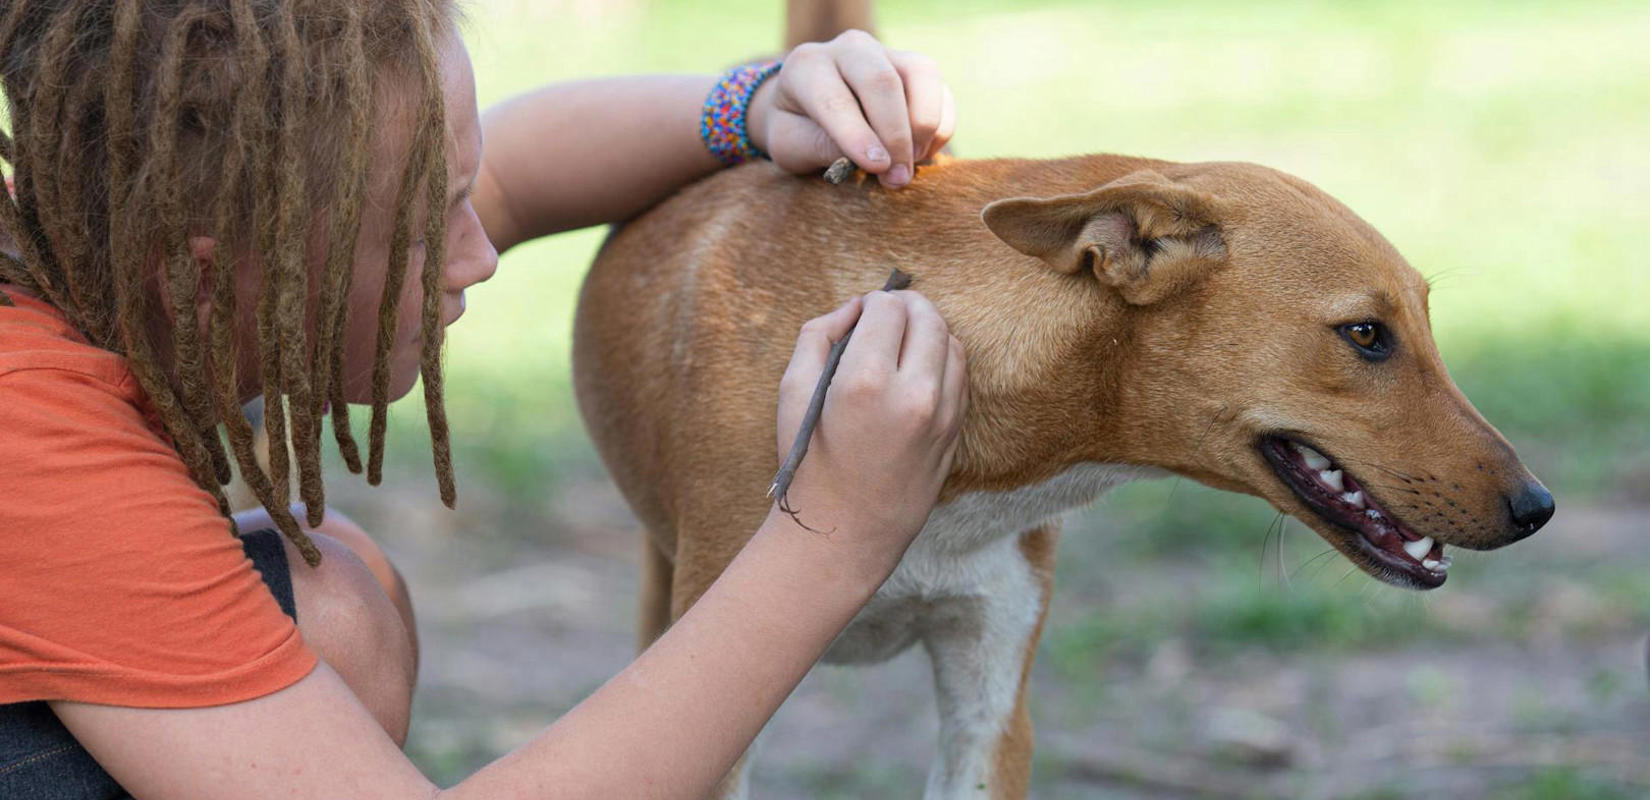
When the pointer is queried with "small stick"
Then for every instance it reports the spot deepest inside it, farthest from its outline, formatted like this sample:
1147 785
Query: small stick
839 170
782 481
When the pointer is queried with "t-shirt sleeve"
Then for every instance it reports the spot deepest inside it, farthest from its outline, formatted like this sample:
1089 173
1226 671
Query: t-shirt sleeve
120 582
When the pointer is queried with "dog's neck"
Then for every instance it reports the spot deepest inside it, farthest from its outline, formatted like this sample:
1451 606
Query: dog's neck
1050 363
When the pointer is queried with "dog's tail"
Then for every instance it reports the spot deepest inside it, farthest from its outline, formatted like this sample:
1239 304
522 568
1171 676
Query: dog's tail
822 20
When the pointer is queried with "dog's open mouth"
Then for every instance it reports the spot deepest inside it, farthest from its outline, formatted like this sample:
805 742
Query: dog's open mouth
1392 551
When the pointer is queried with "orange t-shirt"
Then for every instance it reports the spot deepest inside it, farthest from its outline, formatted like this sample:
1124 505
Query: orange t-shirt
120 583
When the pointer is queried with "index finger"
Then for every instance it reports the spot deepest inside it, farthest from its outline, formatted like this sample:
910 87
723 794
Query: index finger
818 88
882 95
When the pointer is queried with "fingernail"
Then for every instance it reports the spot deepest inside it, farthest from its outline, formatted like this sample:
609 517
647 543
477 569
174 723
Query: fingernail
899 175
876 153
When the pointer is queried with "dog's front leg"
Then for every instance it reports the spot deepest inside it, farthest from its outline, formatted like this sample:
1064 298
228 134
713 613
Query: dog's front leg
981 646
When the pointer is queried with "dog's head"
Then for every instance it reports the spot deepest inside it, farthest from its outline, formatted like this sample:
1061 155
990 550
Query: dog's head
1279 346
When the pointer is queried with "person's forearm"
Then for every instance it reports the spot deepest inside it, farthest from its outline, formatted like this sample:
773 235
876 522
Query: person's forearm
620 145
673 722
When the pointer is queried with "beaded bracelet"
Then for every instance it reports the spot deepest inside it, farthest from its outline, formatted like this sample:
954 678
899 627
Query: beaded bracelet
722 123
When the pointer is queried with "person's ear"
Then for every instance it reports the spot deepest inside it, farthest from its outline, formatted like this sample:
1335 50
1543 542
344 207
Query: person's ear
204 250
1142 234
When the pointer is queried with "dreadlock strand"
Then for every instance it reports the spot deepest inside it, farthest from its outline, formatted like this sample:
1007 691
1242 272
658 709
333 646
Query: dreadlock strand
74 242
435 237
23 226
19 271
265 142
347 448
14 270
345 216
127 261
183 271
418 165
242 439
292 283
46 270
340 269
44 119
9 25
237 171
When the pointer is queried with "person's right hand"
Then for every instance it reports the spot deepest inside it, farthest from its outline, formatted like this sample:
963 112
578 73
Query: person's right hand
888 433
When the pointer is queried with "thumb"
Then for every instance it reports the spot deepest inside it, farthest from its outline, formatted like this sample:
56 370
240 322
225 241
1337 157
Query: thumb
798 145
813 344
813 349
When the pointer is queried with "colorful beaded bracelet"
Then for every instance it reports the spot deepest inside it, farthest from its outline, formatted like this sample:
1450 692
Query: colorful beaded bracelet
722 123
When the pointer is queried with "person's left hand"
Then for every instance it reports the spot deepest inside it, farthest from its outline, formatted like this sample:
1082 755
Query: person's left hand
884 109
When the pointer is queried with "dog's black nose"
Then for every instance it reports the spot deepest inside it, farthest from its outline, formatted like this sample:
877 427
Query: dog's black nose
1531 508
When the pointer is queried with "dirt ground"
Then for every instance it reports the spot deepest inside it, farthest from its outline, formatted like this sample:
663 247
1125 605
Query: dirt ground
519 620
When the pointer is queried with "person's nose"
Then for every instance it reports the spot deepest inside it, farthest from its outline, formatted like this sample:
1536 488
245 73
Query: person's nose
475 264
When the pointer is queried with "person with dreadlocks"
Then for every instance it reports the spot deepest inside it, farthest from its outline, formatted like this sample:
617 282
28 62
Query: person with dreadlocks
211 201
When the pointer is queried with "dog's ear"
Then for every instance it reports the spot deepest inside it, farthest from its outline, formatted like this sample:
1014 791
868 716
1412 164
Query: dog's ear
1143 234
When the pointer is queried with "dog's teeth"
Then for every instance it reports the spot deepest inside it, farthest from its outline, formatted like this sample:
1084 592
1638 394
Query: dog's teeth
1313 458
1419 548
1433 565
1372 513
1443 563
1332 478
1354 498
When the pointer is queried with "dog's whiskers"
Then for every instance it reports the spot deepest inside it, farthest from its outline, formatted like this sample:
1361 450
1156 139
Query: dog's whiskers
1260 563
1329 551
1283 523
1349 571
1434 278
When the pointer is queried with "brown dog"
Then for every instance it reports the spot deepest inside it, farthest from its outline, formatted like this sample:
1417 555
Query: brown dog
1123 318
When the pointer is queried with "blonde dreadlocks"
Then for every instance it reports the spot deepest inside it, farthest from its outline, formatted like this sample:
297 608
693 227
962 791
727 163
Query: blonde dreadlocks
135 124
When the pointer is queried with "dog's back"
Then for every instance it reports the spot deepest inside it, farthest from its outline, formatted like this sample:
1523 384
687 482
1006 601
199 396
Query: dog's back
689 313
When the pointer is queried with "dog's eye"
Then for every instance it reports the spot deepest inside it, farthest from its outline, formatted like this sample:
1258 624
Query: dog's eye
1370 338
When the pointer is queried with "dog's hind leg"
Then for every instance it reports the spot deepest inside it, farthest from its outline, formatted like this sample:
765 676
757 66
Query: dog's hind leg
982 648
653 615
736 784
822 20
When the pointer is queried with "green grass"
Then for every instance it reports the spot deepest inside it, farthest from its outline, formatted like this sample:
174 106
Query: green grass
1223 609
1565 783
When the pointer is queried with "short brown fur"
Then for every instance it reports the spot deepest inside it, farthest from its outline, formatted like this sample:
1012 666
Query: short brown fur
1179 359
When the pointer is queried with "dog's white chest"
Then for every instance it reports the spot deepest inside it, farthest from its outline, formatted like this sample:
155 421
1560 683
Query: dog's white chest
968 551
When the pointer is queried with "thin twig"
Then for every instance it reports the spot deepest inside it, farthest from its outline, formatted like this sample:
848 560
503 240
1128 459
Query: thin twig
839 170
782 481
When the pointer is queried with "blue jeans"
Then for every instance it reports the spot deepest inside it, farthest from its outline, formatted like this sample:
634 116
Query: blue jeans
40 759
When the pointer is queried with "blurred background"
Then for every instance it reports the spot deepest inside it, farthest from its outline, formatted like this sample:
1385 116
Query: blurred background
1198 645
